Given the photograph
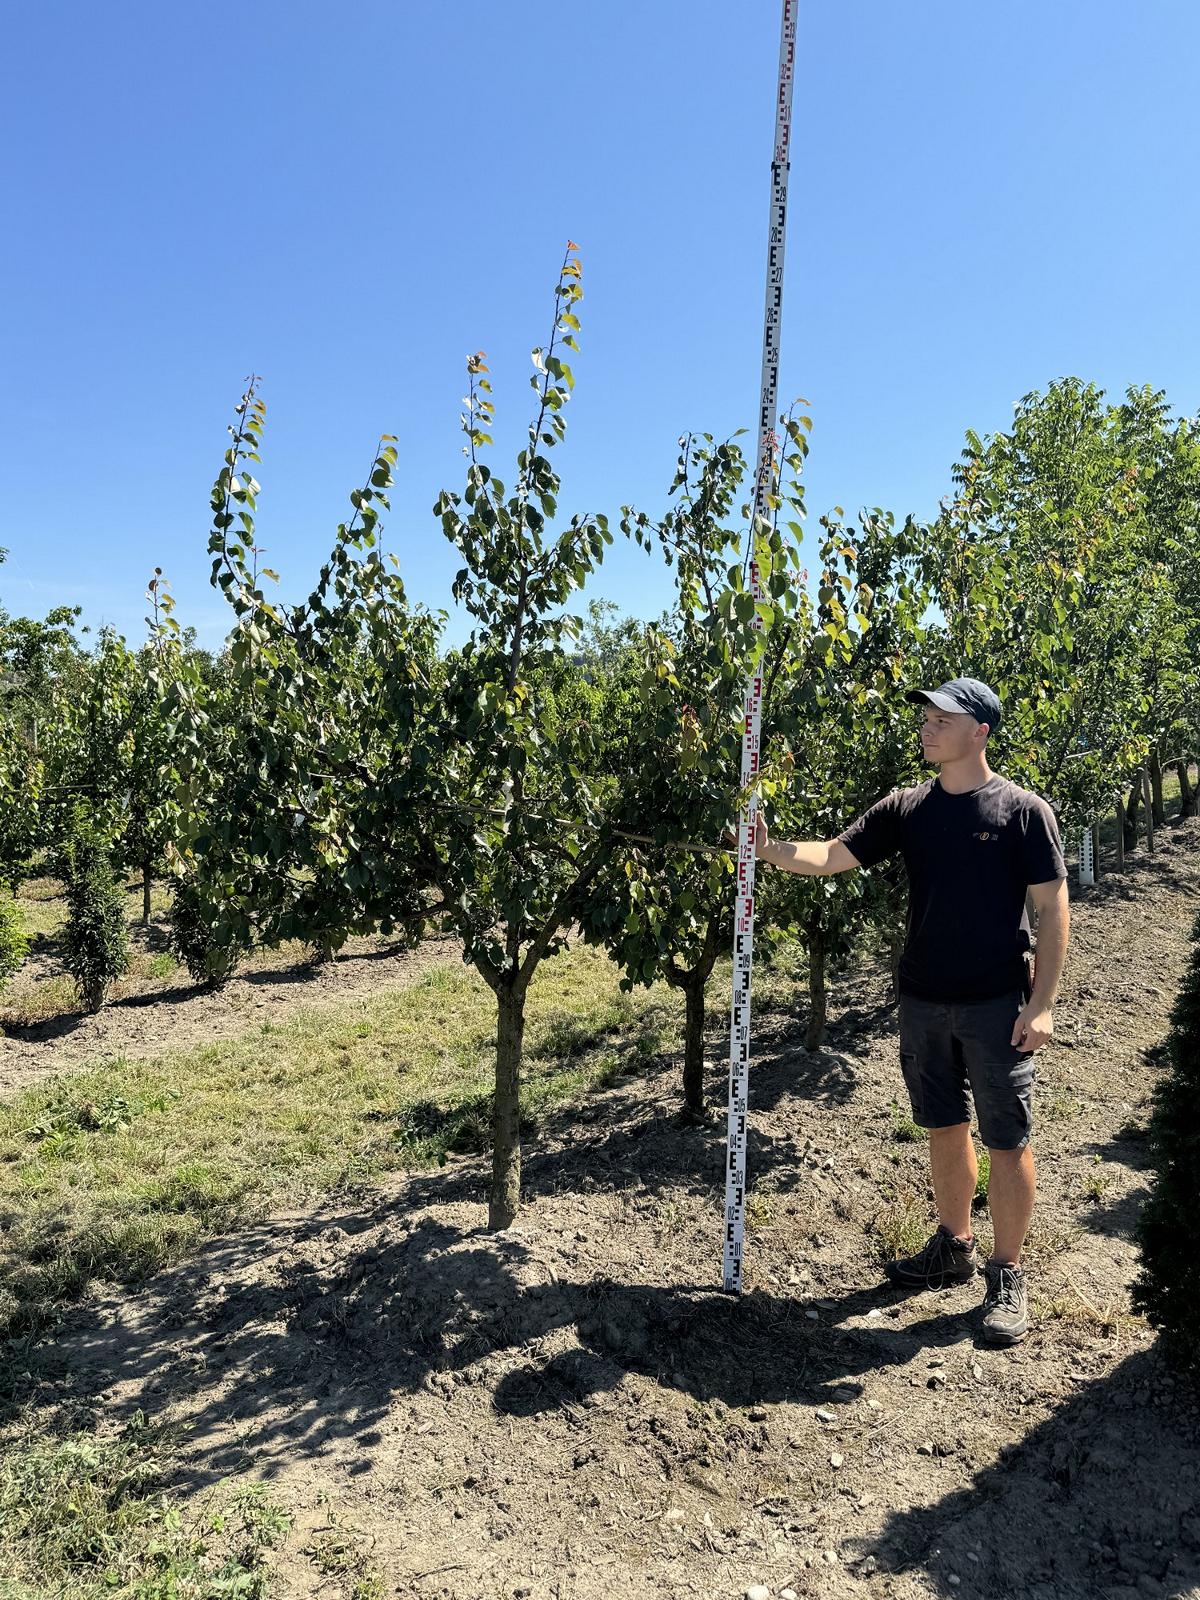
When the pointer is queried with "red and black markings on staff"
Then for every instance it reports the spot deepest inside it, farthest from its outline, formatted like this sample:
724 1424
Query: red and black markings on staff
743 929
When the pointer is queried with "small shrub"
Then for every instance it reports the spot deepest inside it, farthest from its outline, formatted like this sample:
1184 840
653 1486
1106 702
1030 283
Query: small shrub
13 943
1059 1106
904 1223
95 940
1167 1289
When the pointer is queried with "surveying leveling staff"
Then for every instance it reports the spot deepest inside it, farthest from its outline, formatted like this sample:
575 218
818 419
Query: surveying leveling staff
970 1019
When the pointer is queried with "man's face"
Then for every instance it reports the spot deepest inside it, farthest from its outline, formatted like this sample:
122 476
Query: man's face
949 735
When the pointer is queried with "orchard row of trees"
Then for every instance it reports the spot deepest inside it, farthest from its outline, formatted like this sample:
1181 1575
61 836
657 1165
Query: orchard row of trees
339 770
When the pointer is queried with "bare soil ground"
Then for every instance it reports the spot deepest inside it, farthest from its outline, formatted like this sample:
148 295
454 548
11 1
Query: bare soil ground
571 1411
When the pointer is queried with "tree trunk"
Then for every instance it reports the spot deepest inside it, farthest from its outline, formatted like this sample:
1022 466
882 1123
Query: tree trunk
1120 834
1187 795
816 988
505 1198
693 1047
1131 813
895 951
1096 851
1149 804
146 895
692 983
1160 816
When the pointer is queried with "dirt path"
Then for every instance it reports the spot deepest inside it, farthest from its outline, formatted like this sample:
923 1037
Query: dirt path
569 1411
147 1018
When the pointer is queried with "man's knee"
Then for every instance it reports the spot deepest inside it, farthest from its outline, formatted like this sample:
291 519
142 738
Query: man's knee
951 1133
1016 1157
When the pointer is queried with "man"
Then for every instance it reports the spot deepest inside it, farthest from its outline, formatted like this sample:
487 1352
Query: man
970 1018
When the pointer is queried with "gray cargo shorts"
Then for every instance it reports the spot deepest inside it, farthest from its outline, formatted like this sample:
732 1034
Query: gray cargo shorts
955 1051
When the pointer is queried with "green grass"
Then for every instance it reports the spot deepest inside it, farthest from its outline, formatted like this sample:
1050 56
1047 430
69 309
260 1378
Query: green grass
162 965
904 1129
903 1224
43 908
780 973
1060 1106
85 1516
984 1160
119 1170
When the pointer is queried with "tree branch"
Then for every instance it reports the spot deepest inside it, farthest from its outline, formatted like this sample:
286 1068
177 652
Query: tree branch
565 904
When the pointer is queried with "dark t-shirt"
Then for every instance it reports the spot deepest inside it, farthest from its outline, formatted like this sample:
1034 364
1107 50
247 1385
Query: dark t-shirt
970 858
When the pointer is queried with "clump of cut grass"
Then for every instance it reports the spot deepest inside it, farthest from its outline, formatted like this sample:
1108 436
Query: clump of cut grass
903 1224
1087 1311
1047 1241
333 1552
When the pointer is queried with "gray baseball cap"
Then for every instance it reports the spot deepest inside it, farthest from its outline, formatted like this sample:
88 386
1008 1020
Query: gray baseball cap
962 694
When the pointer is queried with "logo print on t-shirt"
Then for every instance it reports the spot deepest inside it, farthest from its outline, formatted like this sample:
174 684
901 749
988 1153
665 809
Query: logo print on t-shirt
987 835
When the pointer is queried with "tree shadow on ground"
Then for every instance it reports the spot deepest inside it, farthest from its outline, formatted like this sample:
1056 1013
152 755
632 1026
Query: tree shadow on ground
1128 1147
56 1027
176 994
274 1346
307 968
299 1338
637 1137
630 1139
1118 1217
869 1019
783 1067
66 1022
1100 1502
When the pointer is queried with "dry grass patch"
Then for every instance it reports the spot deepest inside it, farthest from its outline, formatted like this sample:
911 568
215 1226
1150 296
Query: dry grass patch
903 1223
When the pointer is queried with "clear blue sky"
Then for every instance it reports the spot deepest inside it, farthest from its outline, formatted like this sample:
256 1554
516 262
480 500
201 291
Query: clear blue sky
349 199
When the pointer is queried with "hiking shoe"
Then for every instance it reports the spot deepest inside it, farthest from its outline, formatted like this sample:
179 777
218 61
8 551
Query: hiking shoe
945 1260
1005 1305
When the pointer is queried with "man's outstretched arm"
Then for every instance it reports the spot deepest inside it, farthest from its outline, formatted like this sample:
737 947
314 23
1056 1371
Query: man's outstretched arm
1035 1024
816 857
